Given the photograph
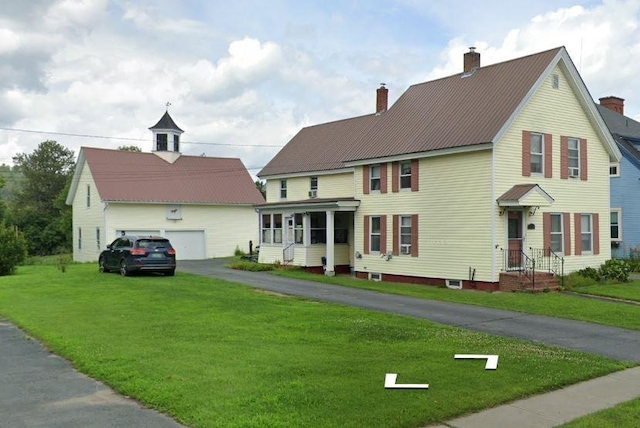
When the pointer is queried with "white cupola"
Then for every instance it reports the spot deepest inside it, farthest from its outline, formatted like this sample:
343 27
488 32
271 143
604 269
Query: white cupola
166 138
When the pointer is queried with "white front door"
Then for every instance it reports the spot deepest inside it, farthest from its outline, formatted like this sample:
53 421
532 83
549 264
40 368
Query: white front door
289 239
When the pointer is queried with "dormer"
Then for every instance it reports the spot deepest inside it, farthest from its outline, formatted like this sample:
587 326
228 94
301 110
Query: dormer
166 138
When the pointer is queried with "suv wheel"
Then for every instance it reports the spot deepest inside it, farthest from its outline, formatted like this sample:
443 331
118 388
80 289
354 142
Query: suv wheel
170 273
124 271
102 266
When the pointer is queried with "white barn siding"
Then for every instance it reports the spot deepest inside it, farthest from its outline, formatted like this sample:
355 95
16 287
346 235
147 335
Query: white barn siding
87 219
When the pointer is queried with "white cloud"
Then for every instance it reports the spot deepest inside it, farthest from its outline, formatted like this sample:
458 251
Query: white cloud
74 14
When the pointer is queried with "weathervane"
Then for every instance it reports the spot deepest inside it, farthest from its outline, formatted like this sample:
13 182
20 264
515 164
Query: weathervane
168 104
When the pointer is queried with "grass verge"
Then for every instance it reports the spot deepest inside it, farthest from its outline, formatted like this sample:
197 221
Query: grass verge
551 304
627 291
212 353
624 415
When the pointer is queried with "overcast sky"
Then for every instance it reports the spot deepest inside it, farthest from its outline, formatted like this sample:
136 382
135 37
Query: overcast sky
243 77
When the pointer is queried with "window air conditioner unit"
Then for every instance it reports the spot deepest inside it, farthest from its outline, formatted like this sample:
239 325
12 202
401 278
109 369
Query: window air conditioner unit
313 193
574 172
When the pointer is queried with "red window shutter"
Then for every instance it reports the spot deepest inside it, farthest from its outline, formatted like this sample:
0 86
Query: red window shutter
564 157
596 233
566 231
415 165
395 177
546 233
583 159
414 235
383 178
577 225
526 153
548 156
366 234
365 180
383 233
396 234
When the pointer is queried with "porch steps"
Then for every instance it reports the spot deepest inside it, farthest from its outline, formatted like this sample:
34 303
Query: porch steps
518 281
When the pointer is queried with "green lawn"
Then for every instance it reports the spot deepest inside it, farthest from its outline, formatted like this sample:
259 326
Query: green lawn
212 353
627 291
623 415
551 304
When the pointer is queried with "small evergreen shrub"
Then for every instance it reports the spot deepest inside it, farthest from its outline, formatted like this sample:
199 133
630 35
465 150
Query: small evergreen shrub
615 270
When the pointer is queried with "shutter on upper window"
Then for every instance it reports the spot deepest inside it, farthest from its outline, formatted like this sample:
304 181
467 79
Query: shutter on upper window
526 153
366 234
548 156
414 235
596 233
395 177
383 178
577 225
383 233
546 233
396 235
564 157
415 166
365 180
566 231
583 159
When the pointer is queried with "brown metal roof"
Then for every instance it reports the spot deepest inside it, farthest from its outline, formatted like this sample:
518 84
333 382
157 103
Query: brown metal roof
453 112
144 177
320 147
516 192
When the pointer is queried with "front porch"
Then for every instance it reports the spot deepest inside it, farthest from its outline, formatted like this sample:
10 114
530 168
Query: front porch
534 271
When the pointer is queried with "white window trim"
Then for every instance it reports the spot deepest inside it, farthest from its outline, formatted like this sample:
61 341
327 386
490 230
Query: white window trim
541 154
619 211
400 244
311 186
569 149
561 233
617 167
371 178
410 175
283 188
582 232
371 234
454 284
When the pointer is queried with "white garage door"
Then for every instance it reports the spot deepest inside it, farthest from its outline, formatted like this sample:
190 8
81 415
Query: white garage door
189 244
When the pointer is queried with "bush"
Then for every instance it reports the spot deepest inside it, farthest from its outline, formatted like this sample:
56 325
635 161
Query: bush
238 252
575 280
590 272
615 270
13 250
250 266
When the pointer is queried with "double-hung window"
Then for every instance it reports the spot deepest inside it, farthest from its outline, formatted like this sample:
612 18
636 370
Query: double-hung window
374 178
405 234
537 153
283 189
574 157
318 224
88 196
374 234
266 228
586 233
616 224
298 228
277 228
405 175
557 235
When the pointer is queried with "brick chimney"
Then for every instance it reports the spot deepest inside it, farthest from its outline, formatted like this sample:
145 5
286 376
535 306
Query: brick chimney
471 59
613 103
382 96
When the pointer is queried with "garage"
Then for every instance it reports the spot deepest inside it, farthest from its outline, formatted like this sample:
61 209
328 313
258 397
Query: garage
138 232
189 244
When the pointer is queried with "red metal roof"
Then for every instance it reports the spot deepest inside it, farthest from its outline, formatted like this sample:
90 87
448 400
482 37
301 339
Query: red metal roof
320 147
144 177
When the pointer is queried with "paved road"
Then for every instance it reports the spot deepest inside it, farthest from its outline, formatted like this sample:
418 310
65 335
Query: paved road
40 389
616 343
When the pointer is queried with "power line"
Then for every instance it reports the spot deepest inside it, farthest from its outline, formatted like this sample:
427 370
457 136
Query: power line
68 134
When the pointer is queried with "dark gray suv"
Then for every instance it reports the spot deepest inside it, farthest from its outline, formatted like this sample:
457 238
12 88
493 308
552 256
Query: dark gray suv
130 253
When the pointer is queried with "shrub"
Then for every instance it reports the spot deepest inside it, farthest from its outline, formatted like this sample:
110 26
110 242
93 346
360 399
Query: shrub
250 266
13 250
590 272
62 261
575 280
616 270
238 252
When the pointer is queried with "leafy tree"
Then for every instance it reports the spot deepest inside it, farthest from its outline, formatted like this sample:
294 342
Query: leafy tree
13 250
34 209
262 187
130 148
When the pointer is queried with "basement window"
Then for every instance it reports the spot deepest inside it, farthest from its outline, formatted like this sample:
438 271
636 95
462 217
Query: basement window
454 284
377 277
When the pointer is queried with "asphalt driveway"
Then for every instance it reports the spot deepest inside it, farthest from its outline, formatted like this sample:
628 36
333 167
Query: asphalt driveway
612 342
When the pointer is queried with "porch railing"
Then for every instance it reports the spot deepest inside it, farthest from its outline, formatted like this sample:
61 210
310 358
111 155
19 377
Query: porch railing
287 254
518 261
549 261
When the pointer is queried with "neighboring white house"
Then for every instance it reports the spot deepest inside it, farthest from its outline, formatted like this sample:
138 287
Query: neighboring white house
203 205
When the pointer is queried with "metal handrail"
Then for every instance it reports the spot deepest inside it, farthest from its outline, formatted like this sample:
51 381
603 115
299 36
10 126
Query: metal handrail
284 253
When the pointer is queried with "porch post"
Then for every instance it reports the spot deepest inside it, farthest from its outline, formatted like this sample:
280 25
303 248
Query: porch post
330 271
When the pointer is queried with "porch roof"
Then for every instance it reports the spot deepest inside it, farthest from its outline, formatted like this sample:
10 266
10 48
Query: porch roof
525 195
315 204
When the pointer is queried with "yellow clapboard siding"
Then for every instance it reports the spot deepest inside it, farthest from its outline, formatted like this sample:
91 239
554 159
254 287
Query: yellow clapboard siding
339 185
